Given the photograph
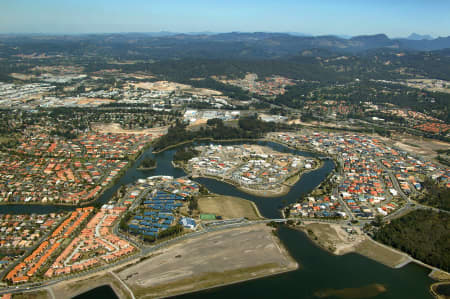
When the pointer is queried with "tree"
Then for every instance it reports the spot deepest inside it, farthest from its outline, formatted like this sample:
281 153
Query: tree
193 204
378 221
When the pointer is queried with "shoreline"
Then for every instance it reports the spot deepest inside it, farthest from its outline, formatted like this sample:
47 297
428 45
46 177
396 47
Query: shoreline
147 168
130 162
434 286
442 277
231 283
282 190
293 265
205 139
353 248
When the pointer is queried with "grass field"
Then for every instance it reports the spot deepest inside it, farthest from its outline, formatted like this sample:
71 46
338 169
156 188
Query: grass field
228 207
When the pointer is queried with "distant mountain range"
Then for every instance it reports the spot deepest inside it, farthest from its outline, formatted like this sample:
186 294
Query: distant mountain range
415 36
300 41
255 45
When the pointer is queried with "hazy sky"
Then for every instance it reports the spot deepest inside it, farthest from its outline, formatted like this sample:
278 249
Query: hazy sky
317 17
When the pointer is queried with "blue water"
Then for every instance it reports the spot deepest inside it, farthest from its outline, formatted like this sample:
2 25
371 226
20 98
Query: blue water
319 270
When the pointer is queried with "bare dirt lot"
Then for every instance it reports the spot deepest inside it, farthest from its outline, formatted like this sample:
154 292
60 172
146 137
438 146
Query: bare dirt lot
94 101
172 86
115 128
228 207
423 146
210 260
32 295
280 191
320 124
332 237
72 288
379 253
335 239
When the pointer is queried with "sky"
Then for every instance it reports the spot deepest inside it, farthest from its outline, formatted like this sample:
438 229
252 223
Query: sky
396 18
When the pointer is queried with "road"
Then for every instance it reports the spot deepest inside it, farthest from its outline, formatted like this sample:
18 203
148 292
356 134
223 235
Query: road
145 251
31 249
124 285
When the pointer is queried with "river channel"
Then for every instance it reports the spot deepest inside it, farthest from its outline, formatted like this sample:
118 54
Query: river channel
321 274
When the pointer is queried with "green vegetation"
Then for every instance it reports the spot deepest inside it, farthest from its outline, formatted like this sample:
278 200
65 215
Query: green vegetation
8 142
193 204
148 163
171 231
249 128
435 195
184 154
425 235
443 159
123 224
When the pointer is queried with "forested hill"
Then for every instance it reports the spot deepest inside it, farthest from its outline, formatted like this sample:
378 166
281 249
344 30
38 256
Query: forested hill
226 45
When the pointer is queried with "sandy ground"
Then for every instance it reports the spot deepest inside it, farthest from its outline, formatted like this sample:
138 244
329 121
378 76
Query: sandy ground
228 207
367 291
32 295
203 91
74 288
115 128
21 76
382 254
172 86
280 191
198 122
335 239
440 275
84 101
427 84
319 124
209 260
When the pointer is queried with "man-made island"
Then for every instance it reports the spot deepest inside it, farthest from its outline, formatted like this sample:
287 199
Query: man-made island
254 169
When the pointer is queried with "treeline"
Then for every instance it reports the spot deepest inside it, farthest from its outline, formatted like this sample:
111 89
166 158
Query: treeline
231 91
434 103
171 231
423 234
435 195
296 95
184 154
248 128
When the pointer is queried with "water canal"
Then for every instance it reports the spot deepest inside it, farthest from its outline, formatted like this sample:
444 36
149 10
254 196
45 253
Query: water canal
269 207
321 275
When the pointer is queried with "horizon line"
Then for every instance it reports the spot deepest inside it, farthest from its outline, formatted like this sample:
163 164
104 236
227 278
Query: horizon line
206 32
